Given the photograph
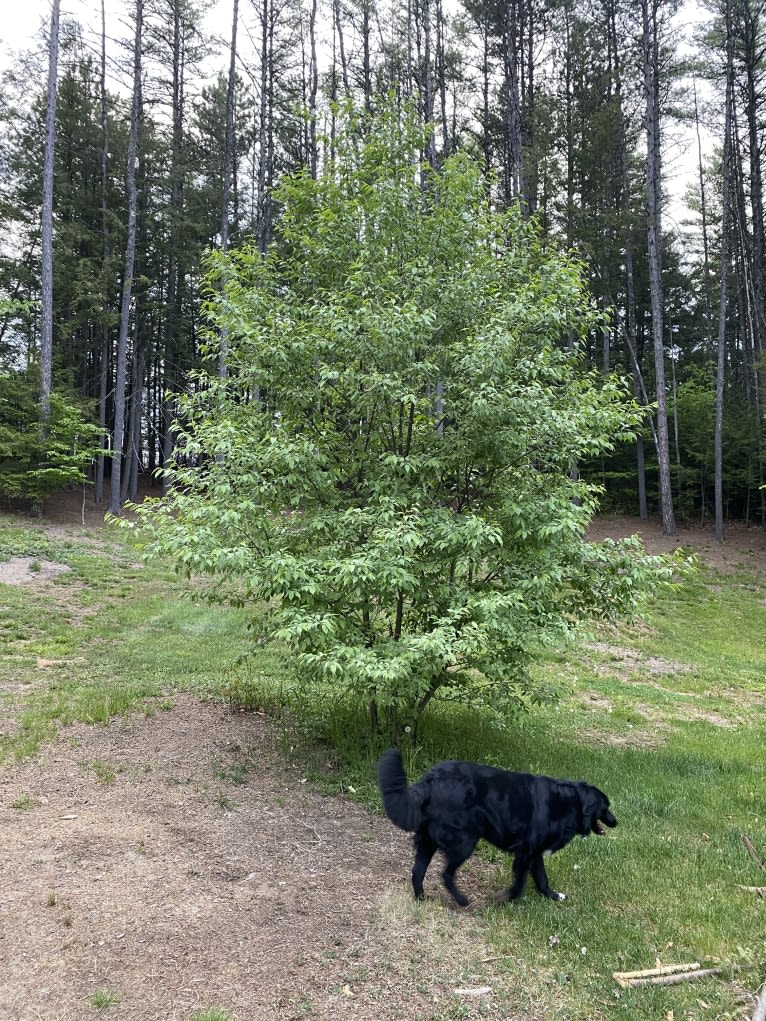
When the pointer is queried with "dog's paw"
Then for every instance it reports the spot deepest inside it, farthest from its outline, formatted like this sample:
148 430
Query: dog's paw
505 896
561 896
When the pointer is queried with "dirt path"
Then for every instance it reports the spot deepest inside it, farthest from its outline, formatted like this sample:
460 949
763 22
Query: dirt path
132 862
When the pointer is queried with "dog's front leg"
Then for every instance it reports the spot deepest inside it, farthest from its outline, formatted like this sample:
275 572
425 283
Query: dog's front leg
541 879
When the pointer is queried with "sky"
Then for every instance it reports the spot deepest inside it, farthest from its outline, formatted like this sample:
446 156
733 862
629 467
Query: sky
22 19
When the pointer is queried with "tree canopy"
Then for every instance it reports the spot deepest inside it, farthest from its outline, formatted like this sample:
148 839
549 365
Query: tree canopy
385 469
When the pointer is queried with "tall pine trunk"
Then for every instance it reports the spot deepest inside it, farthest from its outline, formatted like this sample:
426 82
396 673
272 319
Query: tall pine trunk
228 163
115 505
513 101
46 242
104 359
726 205
265 128
654 252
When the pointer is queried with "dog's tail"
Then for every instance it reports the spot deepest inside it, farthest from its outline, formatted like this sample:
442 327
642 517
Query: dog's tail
402 808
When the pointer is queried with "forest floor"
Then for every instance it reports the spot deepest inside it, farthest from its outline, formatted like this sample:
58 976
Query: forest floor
176 861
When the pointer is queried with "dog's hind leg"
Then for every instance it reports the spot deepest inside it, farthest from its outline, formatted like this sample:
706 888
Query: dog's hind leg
541 879
521 865
448 878
456 853
425 849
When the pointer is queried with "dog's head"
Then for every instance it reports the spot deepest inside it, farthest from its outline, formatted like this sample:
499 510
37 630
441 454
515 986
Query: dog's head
595 810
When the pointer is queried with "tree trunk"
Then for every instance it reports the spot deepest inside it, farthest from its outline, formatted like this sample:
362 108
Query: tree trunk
265 116
171 360
103 368
313 154
726 203
441 75
115 505
228 162
46 243
132 459
705 241
569 139
654 248
745 298
428 82
341 48
366 64
752 46
513 101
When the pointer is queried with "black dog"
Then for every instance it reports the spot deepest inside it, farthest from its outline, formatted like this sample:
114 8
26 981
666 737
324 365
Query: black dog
456 803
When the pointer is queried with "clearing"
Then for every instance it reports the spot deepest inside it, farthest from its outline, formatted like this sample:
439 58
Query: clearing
176 860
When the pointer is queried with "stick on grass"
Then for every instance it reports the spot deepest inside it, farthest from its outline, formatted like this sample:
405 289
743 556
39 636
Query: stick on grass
670 975
667 969
752 851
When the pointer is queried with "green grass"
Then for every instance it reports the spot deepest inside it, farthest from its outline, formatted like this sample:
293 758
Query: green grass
115 636
666 716
103 998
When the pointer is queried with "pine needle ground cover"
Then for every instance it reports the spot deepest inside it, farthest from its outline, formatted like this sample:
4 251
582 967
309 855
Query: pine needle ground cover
666 716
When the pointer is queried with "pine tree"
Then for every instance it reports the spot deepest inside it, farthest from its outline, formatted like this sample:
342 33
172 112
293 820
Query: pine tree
46 326
115 496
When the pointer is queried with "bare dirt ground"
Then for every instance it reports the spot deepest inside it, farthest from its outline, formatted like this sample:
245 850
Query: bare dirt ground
742 548
135 872
130 864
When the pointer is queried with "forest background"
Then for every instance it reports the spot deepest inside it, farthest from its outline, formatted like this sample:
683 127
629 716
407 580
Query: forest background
171 142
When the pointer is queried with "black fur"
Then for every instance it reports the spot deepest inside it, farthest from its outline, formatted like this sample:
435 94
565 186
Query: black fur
455 804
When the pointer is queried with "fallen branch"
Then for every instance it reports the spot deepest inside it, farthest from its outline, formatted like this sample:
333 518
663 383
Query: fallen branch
752 851
760 890
671 975
667 969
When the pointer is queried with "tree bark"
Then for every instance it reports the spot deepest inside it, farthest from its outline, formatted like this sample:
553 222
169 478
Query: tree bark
313 153
705 240
104 359
265 130
115 505
228 162
654 251
441 76
513 101
726 205
46 243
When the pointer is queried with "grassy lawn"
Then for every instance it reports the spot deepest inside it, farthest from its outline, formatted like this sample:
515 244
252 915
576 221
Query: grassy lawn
105 637
666 716
676 736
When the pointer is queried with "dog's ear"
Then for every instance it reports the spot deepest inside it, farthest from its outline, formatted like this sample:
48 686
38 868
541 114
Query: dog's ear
595 809
588 806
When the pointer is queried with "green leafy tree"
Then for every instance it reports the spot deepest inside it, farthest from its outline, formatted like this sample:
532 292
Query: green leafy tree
33 464
385 473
